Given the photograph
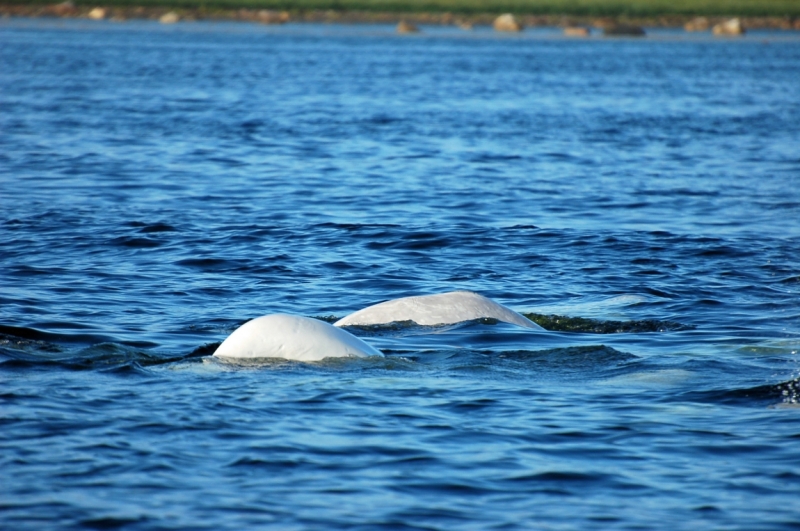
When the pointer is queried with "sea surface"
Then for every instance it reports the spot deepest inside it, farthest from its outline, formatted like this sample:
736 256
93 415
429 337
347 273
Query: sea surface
639 198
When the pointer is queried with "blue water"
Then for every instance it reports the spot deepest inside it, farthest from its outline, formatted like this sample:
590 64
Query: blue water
160 185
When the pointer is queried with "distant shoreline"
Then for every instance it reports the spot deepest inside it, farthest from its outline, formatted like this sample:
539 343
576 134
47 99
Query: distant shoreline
266 16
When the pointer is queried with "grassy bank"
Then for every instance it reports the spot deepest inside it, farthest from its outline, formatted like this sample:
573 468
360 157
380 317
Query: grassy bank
584 8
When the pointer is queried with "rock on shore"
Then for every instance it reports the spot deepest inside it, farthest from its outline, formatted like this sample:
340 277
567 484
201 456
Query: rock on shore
697 24
98 13
729 27
267 16
406 27
577 31
507 22
169 18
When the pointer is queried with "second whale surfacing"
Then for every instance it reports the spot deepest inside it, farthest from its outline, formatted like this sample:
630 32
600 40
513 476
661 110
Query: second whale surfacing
441 309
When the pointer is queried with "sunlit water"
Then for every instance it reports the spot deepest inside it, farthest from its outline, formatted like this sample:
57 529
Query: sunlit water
160 185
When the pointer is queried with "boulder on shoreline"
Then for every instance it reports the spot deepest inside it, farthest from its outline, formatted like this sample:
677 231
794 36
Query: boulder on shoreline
404 27
577 31
169 18
507 22
697 24
98 13
268 16
729 27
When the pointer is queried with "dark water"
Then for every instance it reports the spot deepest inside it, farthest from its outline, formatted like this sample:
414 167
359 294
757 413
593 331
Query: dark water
161 185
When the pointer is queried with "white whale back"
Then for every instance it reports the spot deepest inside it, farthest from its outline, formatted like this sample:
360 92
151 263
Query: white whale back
294 338
444 308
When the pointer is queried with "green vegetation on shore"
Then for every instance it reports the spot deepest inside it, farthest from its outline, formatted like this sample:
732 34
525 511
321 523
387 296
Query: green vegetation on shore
590 8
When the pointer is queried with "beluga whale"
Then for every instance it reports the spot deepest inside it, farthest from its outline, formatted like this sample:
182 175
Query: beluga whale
441 309
305 339
292 337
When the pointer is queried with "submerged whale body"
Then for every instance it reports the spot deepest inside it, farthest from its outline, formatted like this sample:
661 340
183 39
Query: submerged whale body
444 308
294 338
